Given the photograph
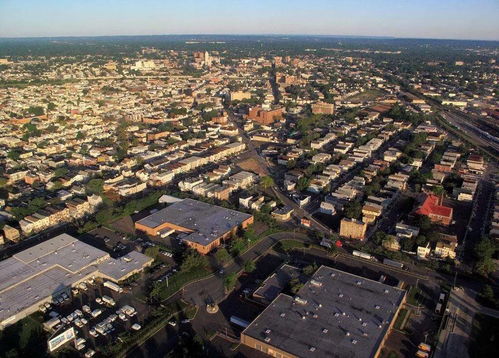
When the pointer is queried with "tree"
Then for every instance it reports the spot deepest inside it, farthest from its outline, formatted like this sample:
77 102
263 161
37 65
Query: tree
95 186
249 266
424 223
237 246
353 209
485 266
267 182
295 285
14 154
60 172
193 260
152 252
310 269
222 255
230 281
438 190
485 248
36 110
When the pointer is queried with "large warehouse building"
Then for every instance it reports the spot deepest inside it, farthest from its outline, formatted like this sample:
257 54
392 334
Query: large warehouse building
204 226
37 275
335 314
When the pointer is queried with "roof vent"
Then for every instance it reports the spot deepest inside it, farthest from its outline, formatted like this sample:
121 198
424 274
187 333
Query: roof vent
359 283
336 314
283 314
386 290
347 334
303 317
301 301
377 307
267 339
364 324
340 295
316 283
267 331
312 349
325 330
354 341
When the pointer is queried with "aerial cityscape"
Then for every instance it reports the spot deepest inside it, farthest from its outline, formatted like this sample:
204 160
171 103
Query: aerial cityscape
219 184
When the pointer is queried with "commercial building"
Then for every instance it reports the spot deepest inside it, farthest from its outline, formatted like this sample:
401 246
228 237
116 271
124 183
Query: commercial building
36 275
335 314
202 226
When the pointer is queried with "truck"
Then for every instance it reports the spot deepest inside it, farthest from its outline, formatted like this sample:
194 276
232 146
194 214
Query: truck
438 309
393 263
239 321
108 300
113 286
363 255
128 310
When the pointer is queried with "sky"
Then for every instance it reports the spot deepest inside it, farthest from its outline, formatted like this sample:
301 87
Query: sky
450 19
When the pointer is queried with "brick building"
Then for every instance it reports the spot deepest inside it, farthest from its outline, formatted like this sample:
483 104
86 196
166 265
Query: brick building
262 116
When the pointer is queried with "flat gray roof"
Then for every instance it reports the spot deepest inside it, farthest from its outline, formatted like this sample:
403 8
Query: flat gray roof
45 270
208 222
338 314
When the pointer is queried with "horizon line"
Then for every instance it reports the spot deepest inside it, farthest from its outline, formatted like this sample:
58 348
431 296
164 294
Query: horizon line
386 37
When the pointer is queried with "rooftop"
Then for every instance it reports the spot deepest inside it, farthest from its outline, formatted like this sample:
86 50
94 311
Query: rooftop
335 314
47 269
207 222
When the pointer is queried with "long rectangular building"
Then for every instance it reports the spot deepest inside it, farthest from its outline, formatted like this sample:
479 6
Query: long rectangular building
38 274
203 226
335 314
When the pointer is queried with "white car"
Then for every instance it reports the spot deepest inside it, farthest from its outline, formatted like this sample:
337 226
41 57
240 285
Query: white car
83 321
136 326
86 308
89 353
123 317
98 300
78 323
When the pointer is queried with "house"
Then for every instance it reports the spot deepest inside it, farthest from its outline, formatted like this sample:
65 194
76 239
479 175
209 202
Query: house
283 213
446 246
432 208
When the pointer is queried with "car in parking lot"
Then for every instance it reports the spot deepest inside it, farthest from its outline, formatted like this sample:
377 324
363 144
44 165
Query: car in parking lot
86 309
89 353
136 326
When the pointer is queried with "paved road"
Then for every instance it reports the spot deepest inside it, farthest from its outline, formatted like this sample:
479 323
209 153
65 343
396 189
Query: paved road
211 289
455 335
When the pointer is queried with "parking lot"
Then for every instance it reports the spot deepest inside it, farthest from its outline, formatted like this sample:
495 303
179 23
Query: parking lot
98 314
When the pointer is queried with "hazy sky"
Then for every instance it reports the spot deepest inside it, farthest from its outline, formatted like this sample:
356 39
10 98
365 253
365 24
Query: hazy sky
457 19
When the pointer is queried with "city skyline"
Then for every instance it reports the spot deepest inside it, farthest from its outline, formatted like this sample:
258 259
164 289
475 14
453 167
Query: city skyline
467 20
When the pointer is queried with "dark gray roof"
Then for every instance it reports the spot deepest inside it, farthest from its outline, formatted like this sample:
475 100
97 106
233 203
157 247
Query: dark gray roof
208 222
335 314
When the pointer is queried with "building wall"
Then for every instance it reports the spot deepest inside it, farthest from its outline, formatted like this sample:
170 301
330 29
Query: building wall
153 231
264 347
353 229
